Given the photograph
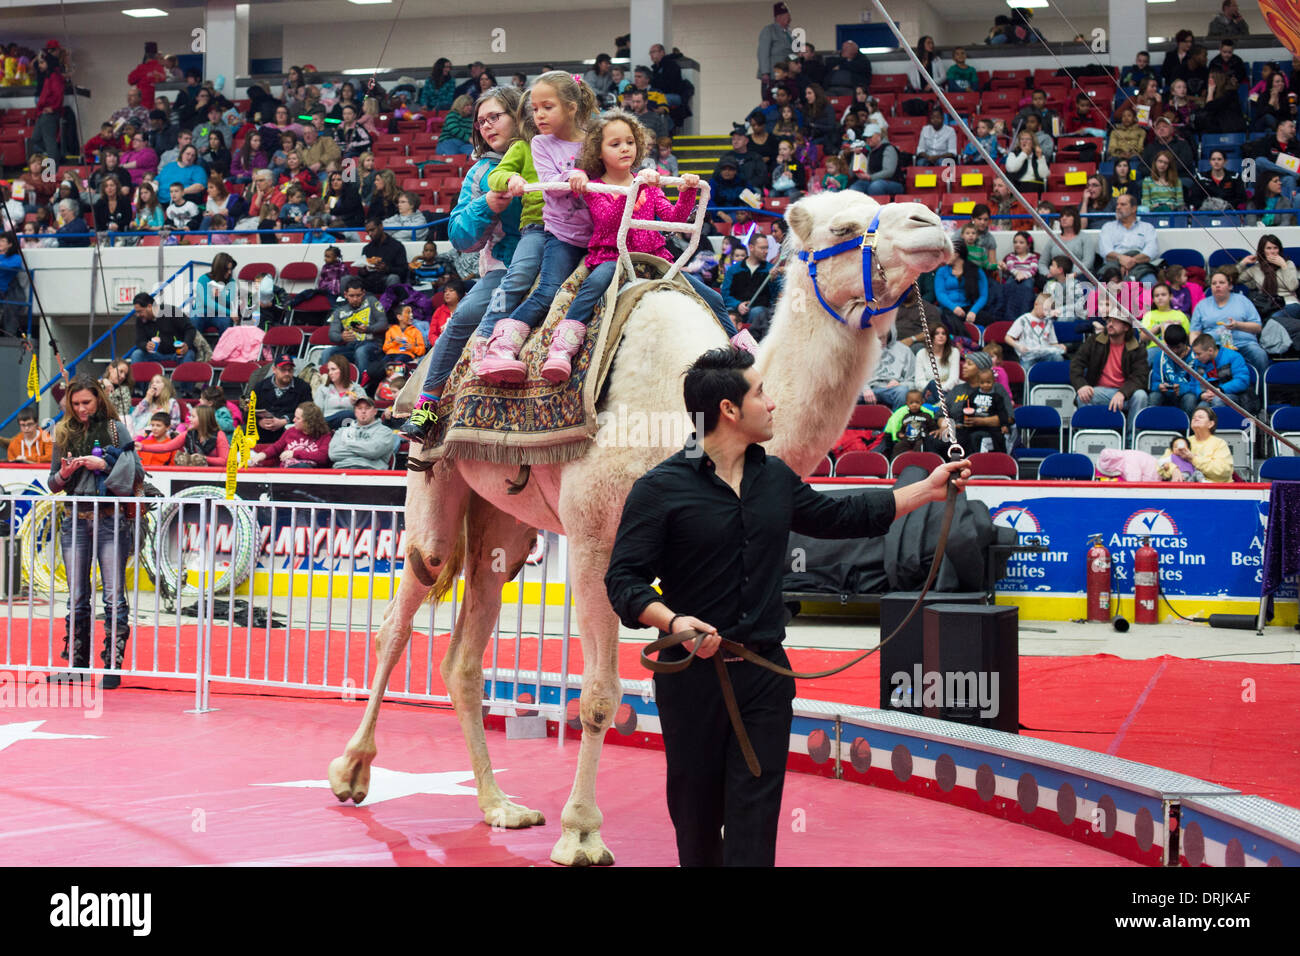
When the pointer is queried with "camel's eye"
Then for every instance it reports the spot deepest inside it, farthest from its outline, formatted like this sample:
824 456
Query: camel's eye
843 231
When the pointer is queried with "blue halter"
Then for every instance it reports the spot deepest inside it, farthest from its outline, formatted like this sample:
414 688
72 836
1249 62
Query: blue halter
866 243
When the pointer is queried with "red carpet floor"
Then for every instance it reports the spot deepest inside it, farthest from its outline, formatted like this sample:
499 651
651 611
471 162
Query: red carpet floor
245 785
1227 722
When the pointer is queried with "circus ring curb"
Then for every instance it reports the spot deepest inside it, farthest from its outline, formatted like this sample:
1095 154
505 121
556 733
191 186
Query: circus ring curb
1153 816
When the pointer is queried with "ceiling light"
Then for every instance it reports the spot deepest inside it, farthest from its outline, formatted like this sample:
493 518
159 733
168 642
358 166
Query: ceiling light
366 3
1160 1
1157 39
146 12
877 49
1013 4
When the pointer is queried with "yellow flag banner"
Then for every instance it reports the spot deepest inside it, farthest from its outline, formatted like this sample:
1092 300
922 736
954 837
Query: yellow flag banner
33 379
232 464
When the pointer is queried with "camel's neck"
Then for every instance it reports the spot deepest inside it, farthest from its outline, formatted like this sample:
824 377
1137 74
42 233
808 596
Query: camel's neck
814 368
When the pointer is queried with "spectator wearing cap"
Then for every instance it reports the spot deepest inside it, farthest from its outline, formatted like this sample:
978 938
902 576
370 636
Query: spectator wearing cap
726 186
848 70
160 136
882 175
750 166
775 44
363 441
1111 369
937 142
278 397
1166 137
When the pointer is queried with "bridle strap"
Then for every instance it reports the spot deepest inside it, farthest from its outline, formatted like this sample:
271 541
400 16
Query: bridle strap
866 242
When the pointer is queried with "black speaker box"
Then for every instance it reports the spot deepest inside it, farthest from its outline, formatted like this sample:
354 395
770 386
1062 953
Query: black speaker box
904 652
972 665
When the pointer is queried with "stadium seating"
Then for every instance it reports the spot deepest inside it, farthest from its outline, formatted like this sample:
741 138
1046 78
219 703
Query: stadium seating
1066 466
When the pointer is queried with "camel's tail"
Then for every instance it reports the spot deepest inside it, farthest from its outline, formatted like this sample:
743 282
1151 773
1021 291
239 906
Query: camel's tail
451 568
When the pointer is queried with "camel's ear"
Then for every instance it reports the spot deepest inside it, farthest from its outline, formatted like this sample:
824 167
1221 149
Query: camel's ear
800 221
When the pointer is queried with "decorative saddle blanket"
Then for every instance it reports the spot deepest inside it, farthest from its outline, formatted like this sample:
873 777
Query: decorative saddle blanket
540 422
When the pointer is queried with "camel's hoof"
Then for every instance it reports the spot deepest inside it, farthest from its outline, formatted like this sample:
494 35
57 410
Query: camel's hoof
513 817
576 848
349 779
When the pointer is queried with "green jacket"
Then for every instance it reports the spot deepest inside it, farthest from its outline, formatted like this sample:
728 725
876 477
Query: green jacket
519 159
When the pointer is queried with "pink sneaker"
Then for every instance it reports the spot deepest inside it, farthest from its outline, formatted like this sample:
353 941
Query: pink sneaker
501 365
565 342
745 342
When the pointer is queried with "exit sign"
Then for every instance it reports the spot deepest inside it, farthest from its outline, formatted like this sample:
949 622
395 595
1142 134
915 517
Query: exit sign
124 291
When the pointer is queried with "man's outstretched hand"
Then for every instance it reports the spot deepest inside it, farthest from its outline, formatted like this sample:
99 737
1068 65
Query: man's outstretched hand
937 483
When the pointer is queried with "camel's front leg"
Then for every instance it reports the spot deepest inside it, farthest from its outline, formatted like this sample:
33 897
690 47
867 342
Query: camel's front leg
497 548
580 843
349 775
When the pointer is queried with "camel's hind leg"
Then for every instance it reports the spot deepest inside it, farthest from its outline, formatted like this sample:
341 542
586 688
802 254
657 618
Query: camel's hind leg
497 546
435 512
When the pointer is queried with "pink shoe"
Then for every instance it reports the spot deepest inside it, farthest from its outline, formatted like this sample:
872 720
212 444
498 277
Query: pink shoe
745 342
501 365
565 342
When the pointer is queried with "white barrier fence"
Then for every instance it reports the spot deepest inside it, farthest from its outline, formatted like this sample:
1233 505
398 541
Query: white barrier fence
254 594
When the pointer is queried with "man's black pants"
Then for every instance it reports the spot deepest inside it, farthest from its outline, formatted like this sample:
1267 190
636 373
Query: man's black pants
709 785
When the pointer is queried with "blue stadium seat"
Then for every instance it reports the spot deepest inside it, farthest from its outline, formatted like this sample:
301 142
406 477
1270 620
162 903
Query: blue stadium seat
1222 140
1065 466
1034 422
1156 425
1184 257
1277 469
1226 257
1280 373
1066 333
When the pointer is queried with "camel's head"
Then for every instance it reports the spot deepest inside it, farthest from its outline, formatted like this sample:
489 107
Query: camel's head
909 240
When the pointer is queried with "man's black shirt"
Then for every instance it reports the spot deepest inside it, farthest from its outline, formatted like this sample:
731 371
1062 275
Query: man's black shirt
719 557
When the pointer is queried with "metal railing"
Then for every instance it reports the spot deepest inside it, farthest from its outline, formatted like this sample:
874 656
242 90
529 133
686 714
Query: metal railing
253 594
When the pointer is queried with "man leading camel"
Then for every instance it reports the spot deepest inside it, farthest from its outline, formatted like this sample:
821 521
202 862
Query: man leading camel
712 523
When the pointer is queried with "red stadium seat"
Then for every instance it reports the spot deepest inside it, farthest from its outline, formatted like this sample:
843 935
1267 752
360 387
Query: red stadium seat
862 464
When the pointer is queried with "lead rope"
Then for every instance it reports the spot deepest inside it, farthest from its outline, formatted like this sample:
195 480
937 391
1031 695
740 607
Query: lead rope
955 451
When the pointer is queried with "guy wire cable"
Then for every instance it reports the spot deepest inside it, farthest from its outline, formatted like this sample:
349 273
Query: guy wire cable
1042 224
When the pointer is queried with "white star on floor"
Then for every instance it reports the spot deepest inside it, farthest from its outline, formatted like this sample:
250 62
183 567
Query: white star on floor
26 730
394 784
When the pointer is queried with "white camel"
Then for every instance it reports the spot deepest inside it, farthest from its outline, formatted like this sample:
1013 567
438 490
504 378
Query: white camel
459 515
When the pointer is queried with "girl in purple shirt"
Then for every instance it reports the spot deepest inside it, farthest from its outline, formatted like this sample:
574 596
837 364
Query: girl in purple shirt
562 108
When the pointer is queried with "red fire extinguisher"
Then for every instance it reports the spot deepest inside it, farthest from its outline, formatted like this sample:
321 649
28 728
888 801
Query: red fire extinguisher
1146 583
1098 581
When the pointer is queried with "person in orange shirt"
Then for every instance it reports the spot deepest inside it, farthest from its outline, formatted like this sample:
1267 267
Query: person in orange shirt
404 338
30 444
157 447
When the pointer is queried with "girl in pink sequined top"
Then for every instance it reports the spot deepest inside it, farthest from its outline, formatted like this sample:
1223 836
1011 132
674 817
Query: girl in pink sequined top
614 148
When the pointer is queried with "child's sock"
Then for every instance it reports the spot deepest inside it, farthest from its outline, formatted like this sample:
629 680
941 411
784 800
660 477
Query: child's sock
427 398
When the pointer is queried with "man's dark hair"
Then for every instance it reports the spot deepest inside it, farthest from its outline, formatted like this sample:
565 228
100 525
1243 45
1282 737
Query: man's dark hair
643 69
1065 263
1175 336
718 375
374 221
352 282
1227 41
27 415
193 73
142 298
603 58
164 417
1204 341
1145 53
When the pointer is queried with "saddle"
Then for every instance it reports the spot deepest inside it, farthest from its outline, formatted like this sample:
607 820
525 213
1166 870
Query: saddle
541 422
